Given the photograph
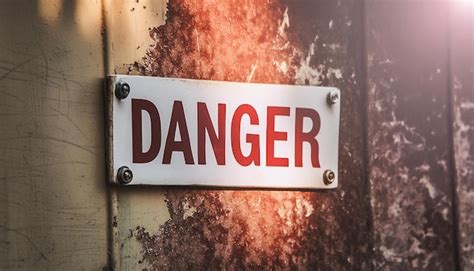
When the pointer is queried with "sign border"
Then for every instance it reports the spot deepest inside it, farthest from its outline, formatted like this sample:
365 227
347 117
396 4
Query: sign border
110 85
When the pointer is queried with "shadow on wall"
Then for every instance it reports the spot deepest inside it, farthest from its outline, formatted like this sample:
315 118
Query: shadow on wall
87 18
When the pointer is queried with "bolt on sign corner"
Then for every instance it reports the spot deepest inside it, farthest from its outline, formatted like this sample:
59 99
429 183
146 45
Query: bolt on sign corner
164 131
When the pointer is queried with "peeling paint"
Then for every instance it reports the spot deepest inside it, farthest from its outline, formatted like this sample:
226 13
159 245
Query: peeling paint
251 38
188 211
272 42
225 224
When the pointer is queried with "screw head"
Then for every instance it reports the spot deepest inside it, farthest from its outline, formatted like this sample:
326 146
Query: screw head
122 90
329 176
124 175
333 97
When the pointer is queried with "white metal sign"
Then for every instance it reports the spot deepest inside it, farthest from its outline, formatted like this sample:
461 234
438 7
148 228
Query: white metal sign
165 131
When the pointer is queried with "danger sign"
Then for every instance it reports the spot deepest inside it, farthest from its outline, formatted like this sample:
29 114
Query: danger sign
166 131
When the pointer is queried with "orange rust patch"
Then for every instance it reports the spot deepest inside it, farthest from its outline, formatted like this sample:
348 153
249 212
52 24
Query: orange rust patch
273 42
221 40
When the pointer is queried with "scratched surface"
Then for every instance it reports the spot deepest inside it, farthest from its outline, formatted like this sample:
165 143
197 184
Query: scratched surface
462 69
407 122
409 148
304 42
53 213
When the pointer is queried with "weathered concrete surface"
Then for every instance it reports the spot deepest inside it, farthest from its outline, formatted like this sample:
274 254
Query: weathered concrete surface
53 211
409 148
462 85
304 42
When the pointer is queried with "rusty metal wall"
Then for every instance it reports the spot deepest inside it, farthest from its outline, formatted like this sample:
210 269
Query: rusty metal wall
405 200
303 42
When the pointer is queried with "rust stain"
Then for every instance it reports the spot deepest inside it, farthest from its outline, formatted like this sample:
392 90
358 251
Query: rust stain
221 40
232 229
273 42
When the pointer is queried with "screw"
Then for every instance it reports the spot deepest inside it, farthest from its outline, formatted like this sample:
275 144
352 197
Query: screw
124 175
333 97
122 90
329 177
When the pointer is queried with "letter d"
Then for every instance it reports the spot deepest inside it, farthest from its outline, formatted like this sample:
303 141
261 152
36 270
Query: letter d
138 106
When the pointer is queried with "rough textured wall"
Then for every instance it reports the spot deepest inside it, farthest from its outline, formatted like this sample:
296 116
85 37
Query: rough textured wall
409 141
52 196
293 42
462 85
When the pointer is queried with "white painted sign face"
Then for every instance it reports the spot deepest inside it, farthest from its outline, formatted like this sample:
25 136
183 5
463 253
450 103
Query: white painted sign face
194 132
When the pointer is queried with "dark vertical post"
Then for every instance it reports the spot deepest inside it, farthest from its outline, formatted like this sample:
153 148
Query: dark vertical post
462 108
409 153
334 30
